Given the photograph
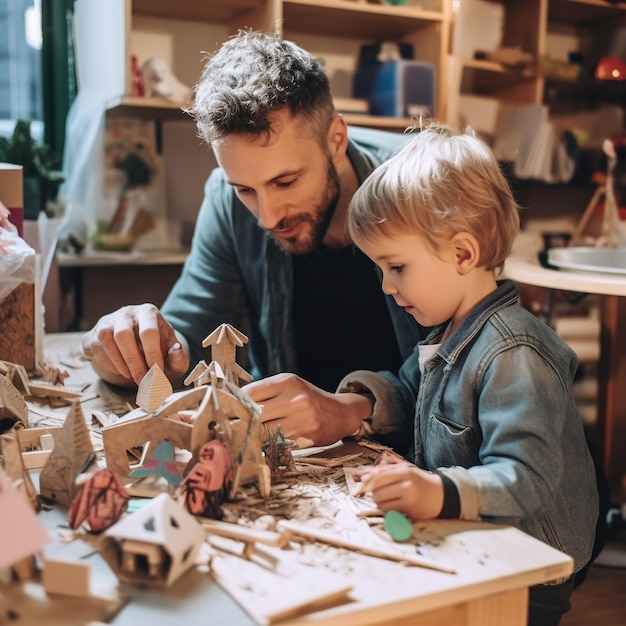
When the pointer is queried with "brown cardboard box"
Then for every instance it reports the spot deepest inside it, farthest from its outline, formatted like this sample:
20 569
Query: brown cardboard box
18 339
12 193
21 315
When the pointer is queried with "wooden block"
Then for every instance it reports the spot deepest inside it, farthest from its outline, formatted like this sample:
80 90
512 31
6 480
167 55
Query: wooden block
66 577
36 444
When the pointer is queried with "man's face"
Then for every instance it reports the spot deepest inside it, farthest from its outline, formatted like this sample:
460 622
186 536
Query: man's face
290 184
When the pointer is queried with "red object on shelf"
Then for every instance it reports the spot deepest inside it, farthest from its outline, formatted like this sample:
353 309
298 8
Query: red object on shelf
610 68
138 87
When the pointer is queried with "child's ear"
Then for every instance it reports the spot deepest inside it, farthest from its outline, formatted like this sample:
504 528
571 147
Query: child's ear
467 252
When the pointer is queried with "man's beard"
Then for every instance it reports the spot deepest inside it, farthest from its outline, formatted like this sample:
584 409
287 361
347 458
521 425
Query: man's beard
318 221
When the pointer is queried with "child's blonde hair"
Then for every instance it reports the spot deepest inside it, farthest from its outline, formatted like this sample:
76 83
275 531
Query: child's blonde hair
442 182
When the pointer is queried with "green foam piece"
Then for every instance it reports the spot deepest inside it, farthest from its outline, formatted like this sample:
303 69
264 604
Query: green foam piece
398 525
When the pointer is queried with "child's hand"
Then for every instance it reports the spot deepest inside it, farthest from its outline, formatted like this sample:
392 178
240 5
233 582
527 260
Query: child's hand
405 488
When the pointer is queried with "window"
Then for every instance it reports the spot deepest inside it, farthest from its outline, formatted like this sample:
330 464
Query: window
20 65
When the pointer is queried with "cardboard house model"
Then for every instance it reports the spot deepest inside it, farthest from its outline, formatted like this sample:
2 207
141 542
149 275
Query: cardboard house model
155 545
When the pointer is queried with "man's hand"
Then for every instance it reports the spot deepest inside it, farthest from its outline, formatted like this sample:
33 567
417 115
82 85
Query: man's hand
125 344
305 413
403 487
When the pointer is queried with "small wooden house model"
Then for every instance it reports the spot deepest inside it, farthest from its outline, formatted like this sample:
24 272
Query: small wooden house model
155 545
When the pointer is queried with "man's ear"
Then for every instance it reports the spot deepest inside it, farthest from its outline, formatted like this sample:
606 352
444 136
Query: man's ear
337 138
466 252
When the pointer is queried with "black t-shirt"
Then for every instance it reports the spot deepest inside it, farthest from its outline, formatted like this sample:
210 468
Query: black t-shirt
341 318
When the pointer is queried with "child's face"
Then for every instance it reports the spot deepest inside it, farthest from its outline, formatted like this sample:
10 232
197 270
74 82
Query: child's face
425 284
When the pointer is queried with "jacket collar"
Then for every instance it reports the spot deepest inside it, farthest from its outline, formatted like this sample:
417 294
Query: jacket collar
505 295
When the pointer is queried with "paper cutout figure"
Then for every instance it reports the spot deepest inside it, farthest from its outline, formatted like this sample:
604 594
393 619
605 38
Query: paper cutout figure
207 485
72 446
101 499
160 463
22 533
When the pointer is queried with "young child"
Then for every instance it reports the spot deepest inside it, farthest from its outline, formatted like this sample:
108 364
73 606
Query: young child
497 433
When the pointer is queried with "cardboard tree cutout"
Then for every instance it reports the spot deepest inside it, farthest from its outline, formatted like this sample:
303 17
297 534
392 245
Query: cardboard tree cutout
153 389
72 448
224 341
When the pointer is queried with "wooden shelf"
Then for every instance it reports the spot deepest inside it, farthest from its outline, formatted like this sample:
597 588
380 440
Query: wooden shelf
346 18
565 96
102 258
147 106
331 17
218 11
497 68
579 11
379 122
167 109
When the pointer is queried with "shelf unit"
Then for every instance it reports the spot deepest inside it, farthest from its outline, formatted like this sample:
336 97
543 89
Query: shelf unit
528 25
183 33
334 22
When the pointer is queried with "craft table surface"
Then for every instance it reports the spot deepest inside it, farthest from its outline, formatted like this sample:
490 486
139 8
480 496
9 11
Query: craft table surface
494 567
526 269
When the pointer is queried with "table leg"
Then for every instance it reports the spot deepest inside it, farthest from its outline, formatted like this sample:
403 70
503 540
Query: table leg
611 423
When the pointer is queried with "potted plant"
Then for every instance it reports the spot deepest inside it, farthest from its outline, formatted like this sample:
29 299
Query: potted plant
41 168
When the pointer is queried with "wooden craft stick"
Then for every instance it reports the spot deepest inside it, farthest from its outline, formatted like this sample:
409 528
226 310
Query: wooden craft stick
326 462
371 513
305 530
245 534
52 391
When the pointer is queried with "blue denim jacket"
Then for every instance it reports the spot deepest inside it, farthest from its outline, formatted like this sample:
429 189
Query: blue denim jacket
495 412
235 273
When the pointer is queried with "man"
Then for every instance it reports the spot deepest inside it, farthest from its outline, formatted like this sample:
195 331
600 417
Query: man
271 253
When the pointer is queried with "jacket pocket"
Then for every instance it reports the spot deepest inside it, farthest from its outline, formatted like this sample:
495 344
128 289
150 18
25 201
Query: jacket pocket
449 443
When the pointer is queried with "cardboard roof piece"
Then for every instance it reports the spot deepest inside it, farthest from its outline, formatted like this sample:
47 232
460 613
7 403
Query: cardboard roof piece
155 545
224 341
153 389
72 448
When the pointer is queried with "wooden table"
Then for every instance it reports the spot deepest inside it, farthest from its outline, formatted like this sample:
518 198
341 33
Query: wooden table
611 422
494 567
